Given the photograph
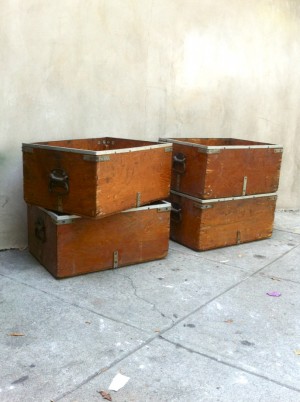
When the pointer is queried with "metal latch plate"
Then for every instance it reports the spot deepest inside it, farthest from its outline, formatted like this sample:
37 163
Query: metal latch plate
96 158
116 259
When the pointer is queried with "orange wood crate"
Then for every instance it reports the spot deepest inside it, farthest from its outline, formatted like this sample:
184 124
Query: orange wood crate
224 167
68 245
96 177
208 224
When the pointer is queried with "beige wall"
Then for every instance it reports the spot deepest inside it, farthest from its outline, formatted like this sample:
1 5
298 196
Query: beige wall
145 68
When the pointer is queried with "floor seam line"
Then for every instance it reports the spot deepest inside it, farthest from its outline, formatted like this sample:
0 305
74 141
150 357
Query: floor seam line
74 304
287 231
217 296
108 367
281 279
177 344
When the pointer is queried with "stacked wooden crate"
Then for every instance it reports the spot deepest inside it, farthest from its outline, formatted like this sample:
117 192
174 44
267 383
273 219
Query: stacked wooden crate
223 191
94 204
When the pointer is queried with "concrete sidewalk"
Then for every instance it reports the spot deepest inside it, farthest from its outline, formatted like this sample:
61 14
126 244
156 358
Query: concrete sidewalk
193 327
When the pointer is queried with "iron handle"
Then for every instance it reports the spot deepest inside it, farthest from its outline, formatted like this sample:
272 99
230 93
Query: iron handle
58 182
176 213
179 163
40 230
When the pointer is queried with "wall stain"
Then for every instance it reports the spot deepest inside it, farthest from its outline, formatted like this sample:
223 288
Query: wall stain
6 199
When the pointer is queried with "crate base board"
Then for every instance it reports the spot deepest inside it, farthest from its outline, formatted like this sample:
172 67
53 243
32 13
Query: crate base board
58 275
206 225
201 247
68 245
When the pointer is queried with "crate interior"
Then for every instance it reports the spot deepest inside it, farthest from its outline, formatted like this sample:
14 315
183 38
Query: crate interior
99 144
221 141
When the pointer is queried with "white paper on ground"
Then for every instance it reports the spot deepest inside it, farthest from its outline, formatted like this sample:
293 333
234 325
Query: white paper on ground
118 382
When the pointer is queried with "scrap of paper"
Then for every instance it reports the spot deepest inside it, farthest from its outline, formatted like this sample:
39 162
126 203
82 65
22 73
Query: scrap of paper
274 294
118 382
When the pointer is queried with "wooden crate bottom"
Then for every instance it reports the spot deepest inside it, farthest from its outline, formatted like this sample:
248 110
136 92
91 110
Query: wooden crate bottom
209 224
68 245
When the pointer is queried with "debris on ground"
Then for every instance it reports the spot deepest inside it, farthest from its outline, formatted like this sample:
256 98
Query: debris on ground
105 395
118 382
16 334
229 321
274 294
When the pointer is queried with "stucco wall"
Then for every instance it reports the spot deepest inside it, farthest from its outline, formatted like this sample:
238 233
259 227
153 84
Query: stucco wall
145 68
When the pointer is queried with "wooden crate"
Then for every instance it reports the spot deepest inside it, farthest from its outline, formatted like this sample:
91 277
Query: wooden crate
96 177
224 167
208 224
68 245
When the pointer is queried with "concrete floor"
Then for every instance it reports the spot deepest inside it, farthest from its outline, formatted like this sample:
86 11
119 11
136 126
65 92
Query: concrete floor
192 327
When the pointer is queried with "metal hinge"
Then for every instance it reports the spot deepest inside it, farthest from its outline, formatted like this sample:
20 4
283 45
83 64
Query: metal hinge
168 149
96 158
164 209
116 259
245 185
202 206
59 206
278 150
138 200
65 221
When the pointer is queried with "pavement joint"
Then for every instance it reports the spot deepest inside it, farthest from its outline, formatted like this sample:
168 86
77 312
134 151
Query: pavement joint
219 295
107 367
279 278
288 231
176 344
74 304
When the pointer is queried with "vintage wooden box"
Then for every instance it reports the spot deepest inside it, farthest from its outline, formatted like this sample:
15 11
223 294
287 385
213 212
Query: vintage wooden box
68 245
224 167
96 177
208 224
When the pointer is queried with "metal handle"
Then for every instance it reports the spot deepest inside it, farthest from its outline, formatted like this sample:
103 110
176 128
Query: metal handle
176 214
58 182
179 163
40 230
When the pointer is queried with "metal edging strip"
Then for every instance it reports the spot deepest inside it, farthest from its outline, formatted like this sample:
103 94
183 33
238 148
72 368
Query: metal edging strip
161 205
209 148
96 153
60 219
65 219
215 200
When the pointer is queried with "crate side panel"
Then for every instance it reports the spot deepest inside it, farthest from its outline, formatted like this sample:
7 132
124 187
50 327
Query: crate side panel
185 225
42 238
188 178
238 172
78 196
132 179
89 245
234 222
